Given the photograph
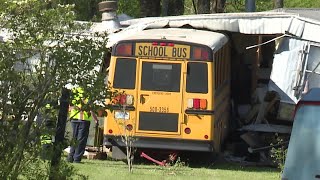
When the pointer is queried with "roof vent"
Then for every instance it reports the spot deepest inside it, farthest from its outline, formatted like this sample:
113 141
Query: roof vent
110 21
108 9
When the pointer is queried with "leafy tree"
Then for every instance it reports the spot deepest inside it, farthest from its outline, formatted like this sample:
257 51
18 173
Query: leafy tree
86 10
129 7
45 49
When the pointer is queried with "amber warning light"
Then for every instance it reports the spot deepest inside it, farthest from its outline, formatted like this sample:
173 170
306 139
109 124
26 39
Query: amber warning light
124 49
200 53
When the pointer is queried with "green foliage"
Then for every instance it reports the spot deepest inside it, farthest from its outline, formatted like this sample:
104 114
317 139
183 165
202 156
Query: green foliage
129 7
261 5
279 153
86 10
266 5
175 167
239 5
302 4
45 49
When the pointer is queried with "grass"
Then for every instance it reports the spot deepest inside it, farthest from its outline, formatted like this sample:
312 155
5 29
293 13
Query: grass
108 169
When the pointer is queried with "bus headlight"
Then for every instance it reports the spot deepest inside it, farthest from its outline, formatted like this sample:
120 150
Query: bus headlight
121 115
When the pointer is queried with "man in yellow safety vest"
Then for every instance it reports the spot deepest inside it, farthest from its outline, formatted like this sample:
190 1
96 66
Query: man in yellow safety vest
80 122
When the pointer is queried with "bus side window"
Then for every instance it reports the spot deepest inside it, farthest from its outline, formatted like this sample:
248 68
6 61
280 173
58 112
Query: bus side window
216 70
223 68
218 75
220 67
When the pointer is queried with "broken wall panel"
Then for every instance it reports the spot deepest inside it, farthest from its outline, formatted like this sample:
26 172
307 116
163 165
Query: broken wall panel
286 68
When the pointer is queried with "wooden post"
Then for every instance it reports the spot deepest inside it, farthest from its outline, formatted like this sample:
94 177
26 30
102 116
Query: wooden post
255 66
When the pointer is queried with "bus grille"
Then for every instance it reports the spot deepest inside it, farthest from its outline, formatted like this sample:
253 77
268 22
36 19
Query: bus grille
151 121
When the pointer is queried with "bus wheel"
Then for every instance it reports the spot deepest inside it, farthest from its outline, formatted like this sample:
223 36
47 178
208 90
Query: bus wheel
118 153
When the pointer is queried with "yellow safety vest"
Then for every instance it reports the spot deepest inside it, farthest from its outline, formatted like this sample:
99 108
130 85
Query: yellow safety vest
74 111
46 139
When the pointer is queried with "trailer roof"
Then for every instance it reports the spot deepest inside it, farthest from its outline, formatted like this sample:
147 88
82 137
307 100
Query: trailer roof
301 23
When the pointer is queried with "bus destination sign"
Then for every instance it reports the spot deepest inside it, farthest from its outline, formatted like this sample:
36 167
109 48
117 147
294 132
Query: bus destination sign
150 50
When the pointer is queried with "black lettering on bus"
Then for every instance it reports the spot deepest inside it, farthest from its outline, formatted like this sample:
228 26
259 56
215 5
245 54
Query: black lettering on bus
149 51
184 54
179 52
145 50
155 51
174 52
140 50
165 52
162 51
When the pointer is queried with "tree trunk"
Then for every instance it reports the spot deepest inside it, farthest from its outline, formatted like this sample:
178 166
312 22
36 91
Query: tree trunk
278 4
174 7
150 8
219 6
60 132
203 6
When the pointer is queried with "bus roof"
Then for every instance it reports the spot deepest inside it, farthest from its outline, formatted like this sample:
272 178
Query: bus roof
213 40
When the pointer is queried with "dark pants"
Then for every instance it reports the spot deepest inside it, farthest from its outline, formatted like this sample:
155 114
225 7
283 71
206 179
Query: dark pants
80 135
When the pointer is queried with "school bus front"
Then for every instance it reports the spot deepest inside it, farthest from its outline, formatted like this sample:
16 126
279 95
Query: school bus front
166 95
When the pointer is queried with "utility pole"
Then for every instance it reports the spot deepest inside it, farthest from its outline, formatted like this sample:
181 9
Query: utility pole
250 5
58 144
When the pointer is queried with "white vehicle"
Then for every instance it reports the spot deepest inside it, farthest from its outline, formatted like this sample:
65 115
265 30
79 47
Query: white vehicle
303 156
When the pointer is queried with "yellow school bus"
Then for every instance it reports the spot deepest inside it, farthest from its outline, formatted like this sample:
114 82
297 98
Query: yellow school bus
176 85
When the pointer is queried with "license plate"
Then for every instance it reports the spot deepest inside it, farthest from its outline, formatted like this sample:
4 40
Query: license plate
121 115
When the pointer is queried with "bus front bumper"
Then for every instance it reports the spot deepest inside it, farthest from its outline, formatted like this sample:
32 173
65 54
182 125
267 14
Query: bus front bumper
162 143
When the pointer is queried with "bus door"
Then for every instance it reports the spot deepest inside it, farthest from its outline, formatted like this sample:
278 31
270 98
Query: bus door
159 97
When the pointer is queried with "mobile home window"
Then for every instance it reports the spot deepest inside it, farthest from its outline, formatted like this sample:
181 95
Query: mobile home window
197 77
125 73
